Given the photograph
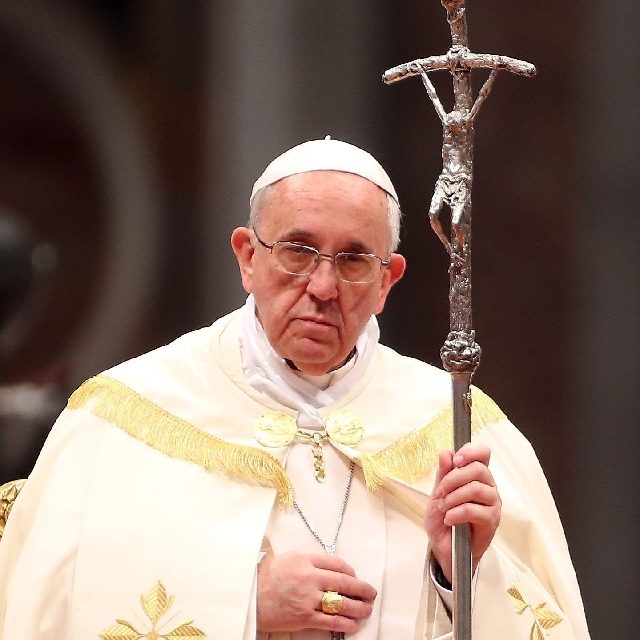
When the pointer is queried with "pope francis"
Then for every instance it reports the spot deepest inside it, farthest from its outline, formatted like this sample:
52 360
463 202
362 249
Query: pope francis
281 474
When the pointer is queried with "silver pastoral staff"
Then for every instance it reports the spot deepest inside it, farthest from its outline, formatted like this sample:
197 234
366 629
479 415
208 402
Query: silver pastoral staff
460 353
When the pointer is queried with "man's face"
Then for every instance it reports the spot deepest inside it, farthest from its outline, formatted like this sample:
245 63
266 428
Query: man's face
315 320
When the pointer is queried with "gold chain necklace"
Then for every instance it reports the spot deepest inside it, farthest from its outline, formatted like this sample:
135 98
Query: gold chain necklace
317 438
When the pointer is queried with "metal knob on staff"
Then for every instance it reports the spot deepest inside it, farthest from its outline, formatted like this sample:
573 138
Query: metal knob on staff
460 353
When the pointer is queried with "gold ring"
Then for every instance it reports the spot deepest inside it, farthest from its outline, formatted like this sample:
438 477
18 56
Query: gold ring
332 602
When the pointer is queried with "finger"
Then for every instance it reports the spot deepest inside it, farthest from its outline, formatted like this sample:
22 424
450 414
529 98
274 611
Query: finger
351 608
331 563
475 514
472 452
472 492
473 472
328 622
445 465
347 586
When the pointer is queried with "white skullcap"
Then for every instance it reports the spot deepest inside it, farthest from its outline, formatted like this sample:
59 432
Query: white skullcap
325 155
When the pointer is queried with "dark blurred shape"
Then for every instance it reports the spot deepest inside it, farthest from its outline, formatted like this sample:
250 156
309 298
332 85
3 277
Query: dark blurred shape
115 16
27 412
16 263
27 409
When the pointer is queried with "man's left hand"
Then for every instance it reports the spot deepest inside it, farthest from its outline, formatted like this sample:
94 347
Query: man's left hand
464 492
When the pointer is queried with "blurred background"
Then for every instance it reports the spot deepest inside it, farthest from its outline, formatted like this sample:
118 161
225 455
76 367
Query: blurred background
131 132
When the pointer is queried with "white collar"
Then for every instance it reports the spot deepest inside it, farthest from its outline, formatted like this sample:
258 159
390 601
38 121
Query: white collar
267 372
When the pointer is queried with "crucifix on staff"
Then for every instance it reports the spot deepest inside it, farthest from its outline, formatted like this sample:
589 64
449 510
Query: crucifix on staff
460 353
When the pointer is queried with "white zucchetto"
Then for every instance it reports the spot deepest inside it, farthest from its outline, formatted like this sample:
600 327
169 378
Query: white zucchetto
325 155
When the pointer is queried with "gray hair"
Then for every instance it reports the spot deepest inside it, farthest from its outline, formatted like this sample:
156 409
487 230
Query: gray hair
394 215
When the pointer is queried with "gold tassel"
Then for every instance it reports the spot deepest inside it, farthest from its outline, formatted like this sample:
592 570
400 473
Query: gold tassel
417 453
484 410
113 401
373 474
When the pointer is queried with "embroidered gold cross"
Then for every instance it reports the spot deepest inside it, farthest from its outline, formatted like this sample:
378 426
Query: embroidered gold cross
542 618
155 605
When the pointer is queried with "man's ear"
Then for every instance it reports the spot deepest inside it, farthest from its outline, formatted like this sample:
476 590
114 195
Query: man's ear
392 273
242 247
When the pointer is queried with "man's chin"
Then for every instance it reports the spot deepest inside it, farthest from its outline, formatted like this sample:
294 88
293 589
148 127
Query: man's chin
312 362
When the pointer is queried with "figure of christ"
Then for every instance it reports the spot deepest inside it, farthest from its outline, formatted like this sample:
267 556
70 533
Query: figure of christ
453 186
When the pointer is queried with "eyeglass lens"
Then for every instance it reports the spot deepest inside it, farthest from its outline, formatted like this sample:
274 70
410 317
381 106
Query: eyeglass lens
300 260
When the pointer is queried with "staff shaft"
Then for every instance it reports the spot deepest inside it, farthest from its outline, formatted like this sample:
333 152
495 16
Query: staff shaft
460 320
462 561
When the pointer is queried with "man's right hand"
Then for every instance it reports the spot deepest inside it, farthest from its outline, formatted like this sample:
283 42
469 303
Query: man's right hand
290 590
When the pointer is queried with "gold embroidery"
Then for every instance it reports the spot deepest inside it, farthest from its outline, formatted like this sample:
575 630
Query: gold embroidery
407 458
275 429
155 605
345 428
8 494
146 421
417 452
542 618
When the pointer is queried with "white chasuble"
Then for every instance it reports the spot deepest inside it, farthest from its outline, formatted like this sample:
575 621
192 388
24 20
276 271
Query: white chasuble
149 507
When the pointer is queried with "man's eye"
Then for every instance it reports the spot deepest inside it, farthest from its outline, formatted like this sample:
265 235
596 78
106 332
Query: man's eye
298 249
353 258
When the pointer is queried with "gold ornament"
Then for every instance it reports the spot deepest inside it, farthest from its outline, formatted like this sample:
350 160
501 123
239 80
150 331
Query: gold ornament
343 427
275 429
543 619
332 602
155 605
8 494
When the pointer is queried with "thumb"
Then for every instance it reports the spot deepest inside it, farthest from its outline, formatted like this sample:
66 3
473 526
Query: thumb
445 464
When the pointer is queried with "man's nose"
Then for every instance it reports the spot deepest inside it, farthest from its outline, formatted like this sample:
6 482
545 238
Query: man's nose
323 280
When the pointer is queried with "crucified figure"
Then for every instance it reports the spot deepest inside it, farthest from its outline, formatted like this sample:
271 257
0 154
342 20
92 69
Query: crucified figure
453 186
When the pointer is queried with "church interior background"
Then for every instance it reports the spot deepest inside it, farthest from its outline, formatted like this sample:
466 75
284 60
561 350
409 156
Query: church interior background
131 132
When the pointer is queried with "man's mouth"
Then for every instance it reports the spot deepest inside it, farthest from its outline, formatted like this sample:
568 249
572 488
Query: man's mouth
315 320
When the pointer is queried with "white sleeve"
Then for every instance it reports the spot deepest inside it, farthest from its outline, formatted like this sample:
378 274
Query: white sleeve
251 628
40 543
446 595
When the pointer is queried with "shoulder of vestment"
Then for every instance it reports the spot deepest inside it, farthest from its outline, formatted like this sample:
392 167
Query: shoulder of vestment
181 400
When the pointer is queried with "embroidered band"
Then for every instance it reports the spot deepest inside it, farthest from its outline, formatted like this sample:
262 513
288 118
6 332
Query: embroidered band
146 421
417 452
406 459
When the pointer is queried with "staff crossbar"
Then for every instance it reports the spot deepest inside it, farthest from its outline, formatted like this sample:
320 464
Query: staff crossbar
461 60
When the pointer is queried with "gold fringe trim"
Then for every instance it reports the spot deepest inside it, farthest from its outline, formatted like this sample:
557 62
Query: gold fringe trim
115 402
417 452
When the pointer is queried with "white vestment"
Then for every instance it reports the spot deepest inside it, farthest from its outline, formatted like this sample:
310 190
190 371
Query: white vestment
152 503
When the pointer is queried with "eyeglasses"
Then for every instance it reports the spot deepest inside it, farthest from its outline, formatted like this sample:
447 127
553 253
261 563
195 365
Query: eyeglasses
300 260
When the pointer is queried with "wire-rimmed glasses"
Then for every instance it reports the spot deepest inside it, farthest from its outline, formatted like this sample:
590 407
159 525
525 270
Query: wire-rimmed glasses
301 260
